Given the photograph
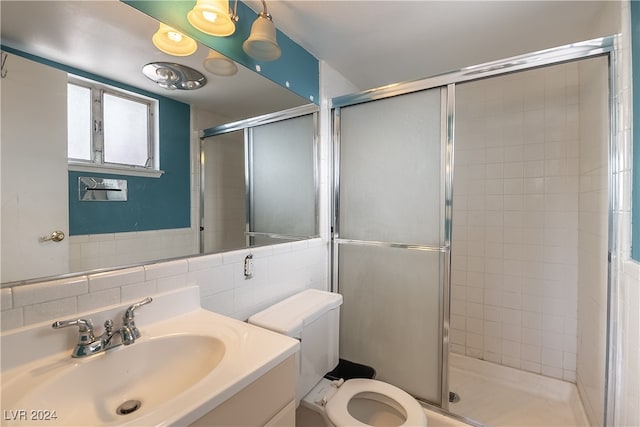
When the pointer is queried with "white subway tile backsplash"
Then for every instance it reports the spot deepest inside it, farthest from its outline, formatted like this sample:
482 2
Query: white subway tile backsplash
51 310
117 278
278 273
94 300
204 262
213 280
138 291
6 299
50 290
12 318
165 284
222 303
166 269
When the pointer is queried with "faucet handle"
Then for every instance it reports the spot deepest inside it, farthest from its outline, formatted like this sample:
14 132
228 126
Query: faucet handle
84 327
127 318
129 313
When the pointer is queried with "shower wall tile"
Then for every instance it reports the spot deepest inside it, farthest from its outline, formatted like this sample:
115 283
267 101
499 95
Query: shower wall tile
515 249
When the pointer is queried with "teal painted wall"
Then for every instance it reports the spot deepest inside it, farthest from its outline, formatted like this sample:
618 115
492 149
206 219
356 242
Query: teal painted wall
635 205
153 203
296 66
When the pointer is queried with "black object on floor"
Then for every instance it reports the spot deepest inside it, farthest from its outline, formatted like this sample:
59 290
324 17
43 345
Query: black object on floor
348 370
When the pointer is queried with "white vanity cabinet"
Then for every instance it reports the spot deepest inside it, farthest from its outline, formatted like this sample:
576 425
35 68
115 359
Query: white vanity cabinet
267 401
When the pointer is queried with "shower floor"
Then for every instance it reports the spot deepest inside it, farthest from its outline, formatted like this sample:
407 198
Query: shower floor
501 396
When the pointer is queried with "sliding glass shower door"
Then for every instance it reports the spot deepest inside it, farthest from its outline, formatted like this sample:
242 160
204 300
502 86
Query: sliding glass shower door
391 244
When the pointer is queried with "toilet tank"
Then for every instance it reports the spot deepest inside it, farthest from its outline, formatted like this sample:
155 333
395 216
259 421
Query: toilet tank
313 317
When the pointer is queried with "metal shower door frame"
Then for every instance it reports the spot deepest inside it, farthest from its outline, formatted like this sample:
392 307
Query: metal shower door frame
446 194
602 46
247 125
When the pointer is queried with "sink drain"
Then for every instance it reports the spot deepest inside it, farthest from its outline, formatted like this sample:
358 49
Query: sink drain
128 407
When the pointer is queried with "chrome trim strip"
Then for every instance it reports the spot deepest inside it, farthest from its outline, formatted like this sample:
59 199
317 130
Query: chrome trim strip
392 245
335 200
277 236
555 55
260 120
612 339
201 225
316 170
248 183
446 413
448 139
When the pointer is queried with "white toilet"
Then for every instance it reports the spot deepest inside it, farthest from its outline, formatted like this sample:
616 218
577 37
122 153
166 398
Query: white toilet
313 317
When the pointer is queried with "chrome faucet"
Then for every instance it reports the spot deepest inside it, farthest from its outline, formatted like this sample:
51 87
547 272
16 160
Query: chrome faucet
88 344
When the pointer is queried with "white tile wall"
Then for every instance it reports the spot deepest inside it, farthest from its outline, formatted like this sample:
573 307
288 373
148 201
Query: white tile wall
280 271
628 402
515 226
593 239
626 272
89 252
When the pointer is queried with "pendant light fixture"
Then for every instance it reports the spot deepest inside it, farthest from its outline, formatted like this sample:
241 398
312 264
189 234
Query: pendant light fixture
218 64
173 42
213 17
261 44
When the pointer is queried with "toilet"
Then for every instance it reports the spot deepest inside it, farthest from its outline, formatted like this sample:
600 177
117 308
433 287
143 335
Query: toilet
313 317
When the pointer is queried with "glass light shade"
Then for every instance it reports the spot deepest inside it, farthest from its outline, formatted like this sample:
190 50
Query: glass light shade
218 64
173 42
261 44
212 17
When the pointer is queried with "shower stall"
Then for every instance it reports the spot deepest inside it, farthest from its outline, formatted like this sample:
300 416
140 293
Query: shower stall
472 229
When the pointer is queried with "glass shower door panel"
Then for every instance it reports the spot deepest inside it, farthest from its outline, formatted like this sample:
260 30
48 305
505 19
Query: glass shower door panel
282 178
390 170
390 239
390 318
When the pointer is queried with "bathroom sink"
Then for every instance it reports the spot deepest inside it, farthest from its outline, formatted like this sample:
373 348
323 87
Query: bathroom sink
107 387
184 365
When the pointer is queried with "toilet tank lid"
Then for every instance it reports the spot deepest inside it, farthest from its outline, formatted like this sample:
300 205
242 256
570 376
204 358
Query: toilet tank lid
291 314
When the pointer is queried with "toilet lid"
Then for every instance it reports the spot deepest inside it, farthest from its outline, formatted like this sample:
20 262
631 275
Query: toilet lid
337 406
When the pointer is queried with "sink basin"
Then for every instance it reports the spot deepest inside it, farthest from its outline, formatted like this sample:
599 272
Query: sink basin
187 362
136 378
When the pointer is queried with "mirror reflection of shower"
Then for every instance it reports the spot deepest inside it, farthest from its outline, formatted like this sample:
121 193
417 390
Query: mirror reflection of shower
259 182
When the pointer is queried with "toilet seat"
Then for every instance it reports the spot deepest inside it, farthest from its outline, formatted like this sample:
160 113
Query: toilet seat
337 407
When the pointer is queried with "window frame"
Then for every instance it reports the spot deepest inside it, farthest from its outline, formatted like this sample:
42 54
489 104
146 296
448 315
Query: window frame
97 163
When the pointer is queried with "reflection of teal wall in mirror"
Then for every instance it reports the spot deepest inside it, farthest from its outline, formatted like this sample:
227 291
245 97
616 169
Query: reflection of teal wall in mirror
635 207
153 203
296 66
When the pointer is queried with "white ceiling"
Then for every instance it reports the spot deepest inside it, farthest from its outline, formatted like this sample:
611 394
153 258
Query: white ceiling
371 43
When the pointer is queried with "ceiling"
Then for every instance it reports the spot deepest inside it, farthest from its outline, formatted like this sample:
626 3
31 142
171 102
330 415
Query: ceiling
371 43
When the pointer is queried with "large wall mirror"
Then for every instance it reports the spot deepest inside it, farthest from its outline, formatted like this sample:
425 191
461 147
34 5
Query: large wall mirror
44 42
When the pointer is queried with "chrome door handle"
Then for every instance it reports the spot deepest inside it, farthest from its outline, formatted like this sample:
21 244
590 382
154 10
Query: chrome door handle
56 236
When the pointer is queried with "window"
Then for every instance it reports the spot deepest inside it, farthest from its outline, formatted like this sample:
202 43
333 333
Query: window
109 127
